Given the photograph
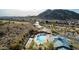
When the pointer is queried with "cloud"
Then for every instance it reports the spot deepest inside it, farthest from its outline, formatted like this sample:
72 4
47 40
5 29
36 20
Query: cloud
14 12
39 4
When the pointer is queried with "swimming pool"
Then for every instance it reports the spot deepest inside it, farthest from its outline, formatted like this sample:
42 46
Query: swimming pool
40 38
61 41
57 40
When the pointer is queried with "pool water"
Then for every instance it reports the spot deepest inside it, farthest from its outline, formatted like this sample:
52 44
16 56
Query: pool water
41 39
57 40
61 41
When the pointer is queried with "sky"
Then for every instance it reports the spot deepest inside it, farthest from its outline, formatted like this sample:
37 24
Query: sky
17 12
75 10
39 4
34 7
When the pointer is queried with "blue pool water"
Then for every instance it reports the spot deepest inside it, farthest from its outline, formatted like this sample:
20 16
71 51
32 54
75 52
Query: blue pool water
61 41
41 38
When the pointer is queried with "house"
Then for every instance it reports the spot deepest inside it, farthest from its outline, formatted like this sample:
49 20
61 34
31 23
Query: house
37 25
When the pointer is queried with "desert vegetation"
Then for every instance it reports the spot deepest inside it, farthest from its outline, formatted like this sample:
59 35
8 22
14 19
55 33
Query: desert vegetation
14 35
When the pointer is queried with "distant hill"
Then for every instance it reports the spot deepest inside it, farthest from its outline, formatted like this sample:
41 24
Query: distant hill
58 14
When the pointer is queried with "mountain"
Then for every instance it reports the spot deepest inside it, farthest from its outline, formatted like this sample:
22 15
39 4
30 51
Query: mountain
60 14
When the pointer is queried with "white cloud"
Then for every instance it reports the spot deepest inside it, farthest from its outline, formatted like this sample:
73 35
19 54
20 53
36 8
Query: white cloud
38 4
14 12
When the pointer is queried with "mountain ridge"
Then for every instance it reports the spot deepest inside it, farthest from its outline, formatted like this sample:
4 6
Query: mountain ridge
60 14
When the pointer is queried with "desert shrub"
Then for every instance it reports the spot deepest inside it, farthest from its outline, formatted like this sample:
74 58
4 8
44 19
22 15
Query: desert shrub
31 45
14 45
1 23
2 34
45 46
48 45
3 47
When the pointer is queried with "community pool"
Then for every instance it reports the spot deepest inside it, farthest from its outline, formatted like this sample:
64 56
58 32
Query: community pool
57 40
61 41
41 37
